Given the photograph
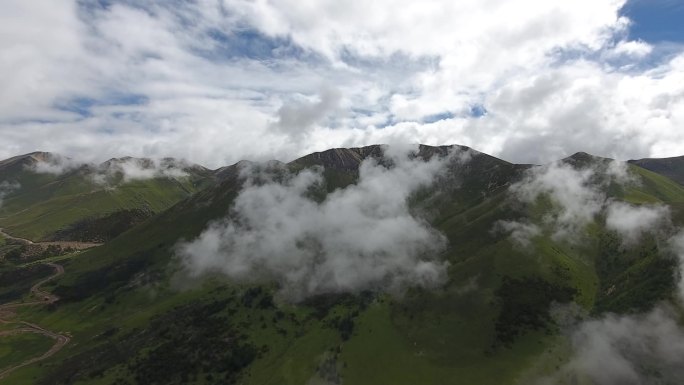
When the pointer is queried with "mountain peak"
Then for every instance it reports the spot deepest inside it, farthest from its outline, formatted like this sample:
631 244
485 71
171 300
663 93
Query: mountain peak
583 159
28 160
349 159
41 156
581 156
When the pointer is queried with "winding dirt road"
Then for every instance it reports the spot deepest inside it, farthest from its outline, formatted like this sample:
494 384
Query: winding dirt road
45 298
22 240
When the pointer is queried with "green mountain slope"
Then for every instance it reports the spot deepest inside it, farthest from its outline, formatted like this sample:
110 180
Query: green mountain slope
75 205
672 168
135 317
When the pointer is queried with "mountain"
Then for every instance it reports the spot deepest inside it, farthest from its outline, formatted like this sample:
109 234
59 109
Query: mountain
134 315
50 197
672 168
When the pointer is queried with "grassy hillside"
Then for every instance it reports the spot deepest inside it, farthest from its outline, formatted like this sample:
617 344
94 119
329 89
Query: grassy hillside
74 205
136 318
672 168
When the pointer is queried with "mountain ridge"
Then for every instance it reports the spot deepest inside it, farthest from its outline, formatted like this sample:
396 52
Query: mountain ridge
348 159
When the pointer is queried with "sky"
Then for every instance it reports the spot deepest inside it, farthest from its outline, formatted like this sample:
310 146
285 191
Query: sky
656 20
217 81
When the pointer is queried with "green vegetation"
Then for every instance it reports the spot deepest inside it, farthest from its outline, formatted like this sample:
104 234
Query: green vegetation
525 306
39 220
135 317
47 206
15 283
672 168
17 348
633 277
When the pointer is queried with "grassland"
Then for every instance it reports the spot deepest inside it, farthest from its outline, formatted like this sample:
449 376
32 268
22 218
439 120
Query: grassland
18 348
44 205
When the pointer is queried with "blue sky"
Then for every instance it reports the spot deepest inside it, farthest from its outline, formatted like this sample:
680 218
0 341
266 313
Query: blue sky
656 21
217 81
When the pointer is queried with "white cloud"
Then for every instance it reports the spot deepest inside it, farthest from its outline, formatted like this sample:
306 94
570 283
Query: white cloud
520 232
577 196
131 169
639 349
151 83
40 49
631 48
54 164
619 172
614 349
360 237
581 107
576 201
644 349
113 171
7 188
631 221
426 29
297 117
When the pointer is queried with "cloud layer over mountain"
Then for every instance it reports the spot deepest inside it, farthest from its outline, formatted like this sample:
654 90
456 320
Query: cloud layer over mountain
576 197
114 171
362 237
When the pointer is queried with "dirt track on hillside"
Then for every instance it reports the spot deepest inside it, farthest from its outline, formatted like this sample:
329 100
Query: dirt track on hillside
62 244
45 298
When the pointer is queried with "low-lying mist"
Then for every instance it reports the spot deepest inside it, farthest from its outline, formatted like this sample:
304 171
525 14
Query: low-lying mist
115 171
362 237
6 188
638 348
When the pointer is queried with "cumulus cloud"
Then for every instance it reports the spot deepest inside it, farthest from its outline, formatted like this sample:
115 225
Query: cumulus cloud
631 48
361 237
297 117
330 28
579 107
100 80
